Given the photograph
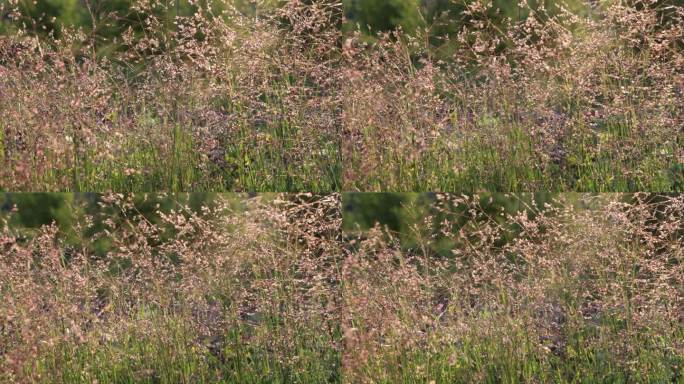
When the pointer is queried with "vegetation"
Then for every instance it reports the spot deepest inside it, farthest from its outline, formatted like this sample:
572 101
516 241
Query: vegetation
555 101
490 288
584 289
212 101
292 96
128 121
240 290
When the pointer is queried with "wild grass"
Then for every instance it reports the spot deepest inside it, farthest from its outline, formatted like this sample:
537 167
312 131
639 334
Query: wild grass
586 289
583 289
213 101
242 290
556 101
283 98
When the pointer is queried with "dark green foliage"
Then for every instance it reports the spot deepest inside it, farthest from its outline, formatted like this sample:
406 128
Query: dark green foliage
384 15
443 17
38 209
403 214
65 210
103 21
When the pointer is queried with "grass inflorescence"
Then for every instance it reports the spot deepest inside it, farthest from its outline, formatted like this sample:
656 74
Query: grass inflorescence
211 101
555 101
487 288
238 290
582 289
288 97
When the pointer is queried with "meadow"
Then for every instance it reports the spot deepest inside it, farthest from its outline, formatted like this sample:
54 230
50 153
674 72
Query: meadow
295 96
557 100
341 191
239 290
581 289
494 288
212 100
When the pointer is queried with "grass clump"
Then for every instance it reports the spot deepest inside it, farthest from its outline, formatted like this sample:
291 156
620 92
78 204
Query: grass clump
558 100
217 100
584 289
287 96
240 290
268 289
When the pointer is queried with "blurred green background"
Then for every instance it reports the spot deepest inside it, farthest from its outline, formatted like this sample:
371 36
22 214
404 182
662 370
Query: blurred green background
25 213
103 21
447 15
369 15
410 218
414 219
